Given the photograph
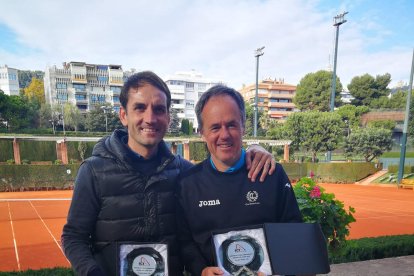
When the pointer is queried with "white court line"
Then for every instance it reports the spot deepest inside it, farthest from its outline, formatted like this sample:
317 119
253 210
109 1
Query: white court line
14 239
33 199
50 232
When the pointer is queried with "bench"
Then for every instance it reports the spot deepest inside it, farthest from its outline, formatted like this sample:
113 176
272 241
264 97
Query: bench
407 183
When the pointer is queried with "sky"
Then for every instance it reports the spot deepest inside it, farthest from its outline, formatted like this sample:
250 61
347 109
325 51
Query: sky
217 38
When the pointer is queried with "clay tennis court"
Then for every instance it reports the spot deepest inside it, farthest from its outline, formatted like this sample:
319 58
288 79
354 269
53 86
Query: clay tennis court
31 222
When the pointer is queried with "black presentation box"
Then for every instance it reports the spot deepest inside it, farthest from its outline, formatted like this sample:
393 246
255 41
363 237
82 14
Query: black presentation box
293 248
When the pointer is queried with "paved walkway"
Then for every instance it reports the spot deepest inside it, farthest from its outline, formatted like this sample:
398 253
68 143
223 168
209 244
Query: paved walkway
369 179
399 266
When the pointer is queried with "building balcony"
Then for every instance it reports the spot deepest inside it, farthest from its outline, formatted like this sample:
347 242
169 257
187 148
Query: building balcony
78 80
81 101
116 82
281 105
281 96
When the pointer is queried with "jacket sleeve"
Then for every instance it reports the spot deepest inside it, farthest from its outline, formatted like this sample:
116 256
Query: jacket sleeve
193 259
288 208
77 232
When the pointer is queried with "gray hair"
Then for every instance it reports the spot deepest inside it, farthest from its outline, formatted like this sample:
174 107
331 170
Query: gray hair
220 90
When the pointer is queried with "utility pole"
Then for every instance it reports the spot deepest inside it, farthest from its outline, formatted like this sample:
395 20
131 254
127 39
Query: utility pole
259 52
338 21
406 120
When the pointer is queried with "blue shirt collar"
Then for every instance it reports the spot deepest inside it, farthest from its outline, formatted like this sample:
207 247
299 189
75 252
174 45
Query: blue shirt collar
239 164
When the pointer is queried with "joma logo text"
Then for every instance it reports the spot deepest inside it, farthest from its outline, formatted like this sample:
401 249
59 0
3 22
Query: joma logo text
209 203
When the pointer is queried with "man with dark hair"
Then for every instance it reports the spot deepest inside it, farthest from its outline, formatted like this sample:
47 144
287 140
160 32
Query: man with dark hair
216 194
125 191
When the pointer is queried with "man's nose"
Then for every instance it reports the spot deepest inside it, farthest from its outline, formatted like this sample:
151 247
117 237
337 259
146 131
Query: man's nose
224 132
149 116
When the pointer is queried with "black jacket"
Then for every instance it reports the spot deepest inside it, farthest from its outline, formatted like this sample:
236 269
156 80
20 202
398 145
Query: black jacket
210 200
116 200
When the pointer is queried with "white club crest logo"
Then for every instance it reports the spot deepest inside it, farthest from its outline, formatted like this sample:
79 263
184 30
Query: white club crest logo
252 196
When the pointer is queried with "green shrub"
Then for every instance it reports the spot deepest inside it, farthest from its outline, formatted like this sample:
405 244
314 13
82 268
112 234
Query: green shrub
198 151
394 169
25 162
37 177
375 248
10 161
320 207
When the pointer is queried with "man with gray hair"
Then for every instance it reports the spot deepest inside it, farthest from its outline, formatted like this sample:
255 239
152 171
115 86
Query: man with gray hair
216 194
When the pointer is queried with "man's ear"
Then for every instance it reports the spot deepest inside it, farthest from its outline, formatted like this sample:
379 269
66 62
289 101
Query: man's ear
123 116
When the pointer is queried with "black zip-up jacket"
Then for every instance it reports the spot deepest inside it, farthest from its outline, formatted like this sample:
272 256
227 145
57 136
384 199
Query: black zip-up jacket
116 200
210 200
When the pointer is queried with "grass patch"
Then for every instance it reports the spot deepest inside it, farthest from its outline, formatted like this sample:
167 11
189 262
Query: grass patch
391 178
397 155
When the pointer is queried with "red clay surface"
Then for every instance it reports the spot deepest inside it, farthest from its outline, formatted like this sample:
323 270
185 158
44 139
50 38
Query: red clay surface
30 229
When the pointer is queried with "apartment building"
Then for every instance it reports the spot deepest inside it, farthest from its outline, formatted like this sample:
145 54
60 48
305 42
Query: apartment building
9 81
186 88
88 86
275 97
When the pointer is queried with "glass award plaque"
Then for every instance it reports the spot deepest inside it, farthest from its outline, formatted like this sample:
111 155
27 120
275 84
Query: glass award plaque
143 259
242 252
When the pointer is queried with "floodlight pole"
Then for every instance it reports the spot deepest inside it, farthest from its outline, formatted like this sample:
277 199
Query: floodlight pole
406 119
259 52
338 21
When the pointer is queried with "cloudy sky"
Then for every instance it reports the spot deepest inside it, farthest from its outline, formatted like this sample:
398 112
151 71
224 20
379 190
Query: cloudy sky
215 37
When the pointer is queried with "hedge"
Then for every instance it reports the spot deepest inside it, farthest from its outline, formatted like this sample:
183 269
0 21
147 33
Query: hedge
375 248
41 150
346 172
37 177
394 169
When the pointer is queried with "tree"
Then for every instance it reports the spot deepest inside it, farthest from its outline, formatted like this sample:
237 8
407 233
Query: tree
17 113
314 91
397 101
366 88
35 91
72 115
174 122
322 132
370 142
185 126
351 116
314 131
95 120
249 124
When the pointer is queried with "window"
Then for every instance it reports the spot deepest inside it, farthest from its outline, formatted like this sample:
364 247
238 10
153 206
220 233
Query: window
79 87
61 85
189 85
62 96
202 86
80 97
189 104
102 78
115 89
115 99
82 107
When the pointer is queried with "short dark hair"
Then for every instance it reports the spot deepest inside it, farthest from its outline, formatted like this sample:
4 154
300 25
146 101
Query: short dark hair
220 90
140 79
